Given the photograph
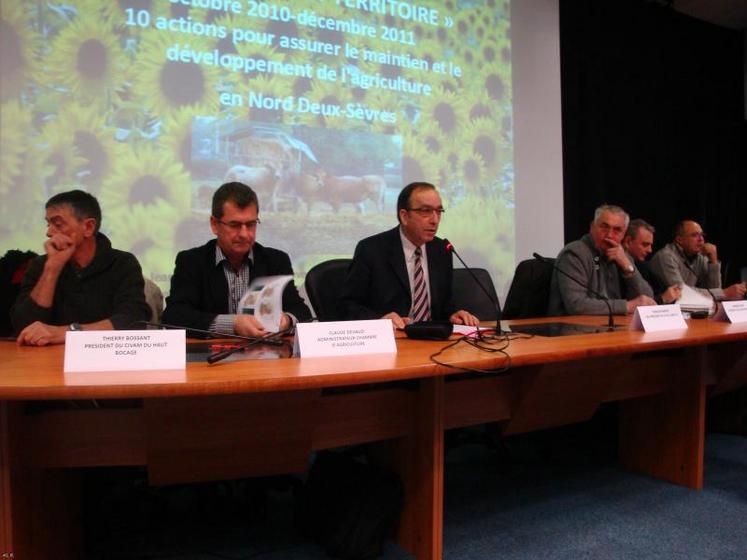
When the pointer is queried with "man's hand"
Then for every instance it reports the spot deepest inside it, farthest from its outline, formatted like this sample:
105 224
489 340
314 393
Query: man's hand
285 322
735 291
671 294
59 249
637 302
710 251
41 334
463 317
248 325
397 321
616 254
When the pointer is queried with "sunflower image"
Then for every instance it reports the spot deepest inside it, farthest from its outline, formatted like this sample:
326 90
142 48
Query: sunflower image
164 85
23 203
15 124
145 231
145 176
19 43
86 60
327 94
94 149
58 157
479 106
415 161
484 138
264 86
257 52
472 168
496 80
177 136
384 100
446 110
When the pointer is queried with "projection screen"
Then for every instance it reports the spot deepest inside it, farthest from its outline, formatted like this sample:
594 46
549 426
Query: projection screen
326 108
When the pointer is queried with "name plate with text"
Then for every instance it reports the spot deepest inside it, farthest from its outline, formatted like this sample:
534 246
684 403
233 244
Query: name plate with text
125 350
345 338
732 311
652 318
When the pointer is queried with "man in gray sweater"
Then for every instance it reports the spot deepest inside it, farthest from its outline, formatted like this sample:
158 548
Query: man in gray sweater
602 270
690 260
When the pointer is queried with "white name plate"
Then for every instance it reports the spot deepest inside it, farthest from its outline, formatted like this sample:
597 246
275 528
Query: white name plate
345 338
125 350
652 318
732 311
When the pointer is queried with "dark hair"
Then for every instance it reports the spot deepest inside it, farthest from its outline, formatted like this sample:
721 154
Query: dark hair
403 200
637 224
238 193
84 205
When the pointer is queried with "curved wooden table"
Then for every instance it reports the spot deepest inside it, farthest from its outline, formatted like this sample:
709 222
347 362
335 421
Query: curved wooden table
257 417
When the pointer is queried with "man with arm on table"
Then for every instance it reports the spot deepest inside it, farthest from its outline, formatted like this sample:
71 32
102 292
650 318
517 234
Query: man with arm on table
82 283
690 260
405 274
209 281
639 243
599 261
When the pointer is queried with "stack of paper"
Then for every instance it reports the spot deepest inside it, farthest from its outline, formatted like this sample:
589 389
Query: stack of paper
692 300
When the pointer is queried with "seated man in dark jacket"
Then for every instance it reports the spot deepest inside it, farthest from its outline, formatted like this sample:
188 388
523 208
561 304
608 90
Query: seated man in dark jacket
404 274
81 283
209 281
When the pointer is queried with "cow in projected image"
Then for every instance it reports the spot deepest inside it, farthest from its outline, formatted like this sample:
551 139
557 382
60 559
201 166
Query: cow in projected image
263 179
351 189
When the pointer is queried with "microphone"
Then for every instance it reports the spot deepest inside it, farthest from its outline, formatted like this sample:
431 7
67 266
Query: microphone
450 248
610 321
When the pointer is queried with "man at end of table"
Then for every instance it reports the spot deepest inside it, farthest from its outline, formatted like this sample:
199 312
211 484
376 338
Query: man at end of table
81 283
690 260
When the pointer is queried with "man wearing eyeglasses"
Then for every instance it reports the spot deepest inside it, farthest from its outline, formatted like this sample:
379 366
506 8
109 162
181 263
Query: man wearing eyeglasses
405 274
209 281
599 264
690 260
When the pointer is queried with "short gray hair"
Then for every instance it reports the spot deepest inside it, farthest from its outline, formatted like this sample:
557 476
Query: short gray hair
614 210
637 224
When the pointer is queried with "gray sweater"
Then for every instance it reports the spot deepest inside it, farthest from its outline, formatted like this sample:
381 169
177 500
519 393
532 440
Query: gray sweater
584 262
671 266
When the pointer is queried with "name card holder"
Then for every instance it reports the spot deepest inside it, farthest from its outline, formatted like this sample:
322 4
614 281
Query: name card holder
141 350
653 318
344 338
732 311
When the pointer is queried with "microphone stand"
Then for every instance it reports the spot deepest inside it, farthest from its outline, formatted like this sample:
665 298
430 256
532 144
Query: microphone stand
610 321
450 248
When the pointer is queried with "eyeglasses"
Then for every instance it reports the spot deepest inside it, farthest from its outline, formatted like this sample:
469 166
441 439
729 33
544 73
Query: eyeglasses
696 234
426 211
236 226
604 226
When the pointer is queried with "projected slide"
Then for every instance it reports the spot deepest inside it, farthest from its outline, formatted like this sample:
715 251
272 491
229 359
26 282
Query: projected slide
326 108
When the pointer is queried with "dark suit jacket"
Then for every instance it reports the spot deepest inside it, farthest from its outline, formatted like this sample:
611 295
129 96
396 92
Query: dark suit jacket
377 282
199 290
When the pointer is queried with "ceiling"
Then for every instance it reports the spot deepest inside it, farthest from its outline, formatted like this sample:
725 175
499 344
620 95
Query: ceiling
727 13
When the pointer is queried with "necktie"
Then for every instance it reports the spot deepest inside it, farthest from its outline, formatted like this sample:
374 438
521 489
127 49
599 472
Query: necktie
421 309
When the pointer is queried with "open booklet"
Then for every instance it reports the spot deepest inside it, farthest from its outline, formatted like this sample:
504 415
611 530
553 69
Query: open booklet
264 300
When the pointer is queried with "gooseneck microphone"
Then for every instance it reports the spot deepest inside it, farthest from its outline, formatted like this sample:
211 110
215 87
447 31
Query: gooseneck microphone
450 248
610 320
